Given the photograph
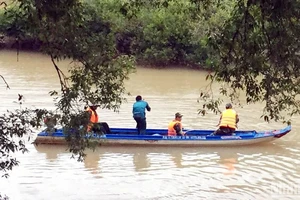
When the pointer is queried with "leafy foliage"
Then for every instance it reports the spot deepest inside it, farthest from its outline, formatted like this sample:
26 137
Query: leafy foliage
209 19
13 126
70 29
99 71
259 53
3 197
155 32
167 29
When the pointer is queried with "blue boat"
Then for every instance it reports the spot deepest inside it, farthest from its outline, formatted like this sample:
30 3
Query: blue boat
159 137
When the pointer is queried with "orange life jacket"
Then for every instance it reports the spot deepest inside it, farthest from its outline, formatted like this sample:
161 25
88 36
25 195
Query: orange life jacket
228 119
171 130
93 118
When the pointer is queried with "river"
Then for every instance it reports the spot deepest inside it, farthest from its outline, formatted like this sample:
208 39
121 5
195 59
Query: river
265 171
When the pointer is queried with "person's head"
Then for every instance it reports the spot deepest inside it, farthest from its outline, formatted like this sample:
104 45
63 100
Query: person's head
138 98
228 106
178 116
93 107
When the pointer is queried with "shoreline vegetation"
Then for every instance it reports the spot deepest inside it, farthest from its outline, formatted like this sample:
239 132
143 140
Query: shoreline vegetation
156 33
7 42
10 43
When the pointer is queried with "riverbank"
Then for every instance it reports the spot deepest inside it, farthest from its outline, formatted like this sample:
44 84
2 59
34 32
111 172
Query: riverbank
11 43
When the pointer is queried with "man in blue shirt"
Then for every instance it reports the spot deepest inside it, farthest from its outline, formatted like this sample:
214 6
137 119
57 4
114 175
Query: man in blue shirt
139 114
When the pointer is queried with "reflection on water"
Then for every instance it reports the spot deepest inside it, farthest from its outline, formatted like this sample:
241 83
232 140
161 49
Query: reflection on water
177 159
247 172
264 171
141 161
229 161
52 152
227 157
140 156
91 163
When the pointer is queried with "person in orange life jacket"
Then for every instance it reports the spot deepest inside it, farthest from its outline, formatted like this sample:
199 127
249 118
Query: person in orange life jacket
175 126
97 127
228 121
139 114
91 109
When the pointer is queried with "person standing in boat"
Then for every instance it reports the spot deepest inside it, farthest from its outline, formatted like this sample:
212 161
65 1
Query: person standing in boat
175 126
139 114
228 121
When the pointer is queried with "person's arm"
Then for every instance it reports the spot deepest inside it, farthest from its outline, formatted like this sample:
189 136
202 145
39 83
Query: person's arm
219 121
237 119
88 113
148 107
177 128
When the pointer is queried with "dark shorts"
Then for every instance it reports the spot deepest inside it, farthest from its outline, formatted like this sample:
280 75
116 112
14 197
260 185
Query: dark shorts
101 127
224 131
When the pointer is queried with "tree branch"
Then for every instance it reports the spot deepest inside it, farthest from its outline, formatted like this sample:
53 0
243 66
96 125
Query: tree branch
7 86
3 3
61 76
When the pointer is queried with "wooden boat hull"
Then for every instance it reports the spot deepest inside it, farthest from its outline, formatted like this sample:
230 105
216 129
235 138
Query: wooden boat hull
158 137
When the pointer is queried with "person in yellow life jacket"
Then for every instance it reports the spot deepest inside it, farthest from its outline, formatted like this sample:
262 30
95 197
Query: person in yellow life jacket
228 121
175 126
93 115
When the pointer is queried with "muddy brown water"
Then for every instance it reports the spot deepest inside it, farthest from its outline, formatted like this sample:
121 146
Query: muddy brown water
265 171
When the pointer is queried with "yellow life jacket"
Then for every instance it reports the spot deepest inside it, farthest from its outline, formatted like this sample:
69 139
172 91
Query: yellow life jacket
171 130
228 119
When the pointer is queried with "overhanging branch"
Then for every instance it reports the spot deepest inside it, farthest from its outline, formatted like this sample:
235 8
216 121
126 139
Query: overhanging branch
7 86
61 76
